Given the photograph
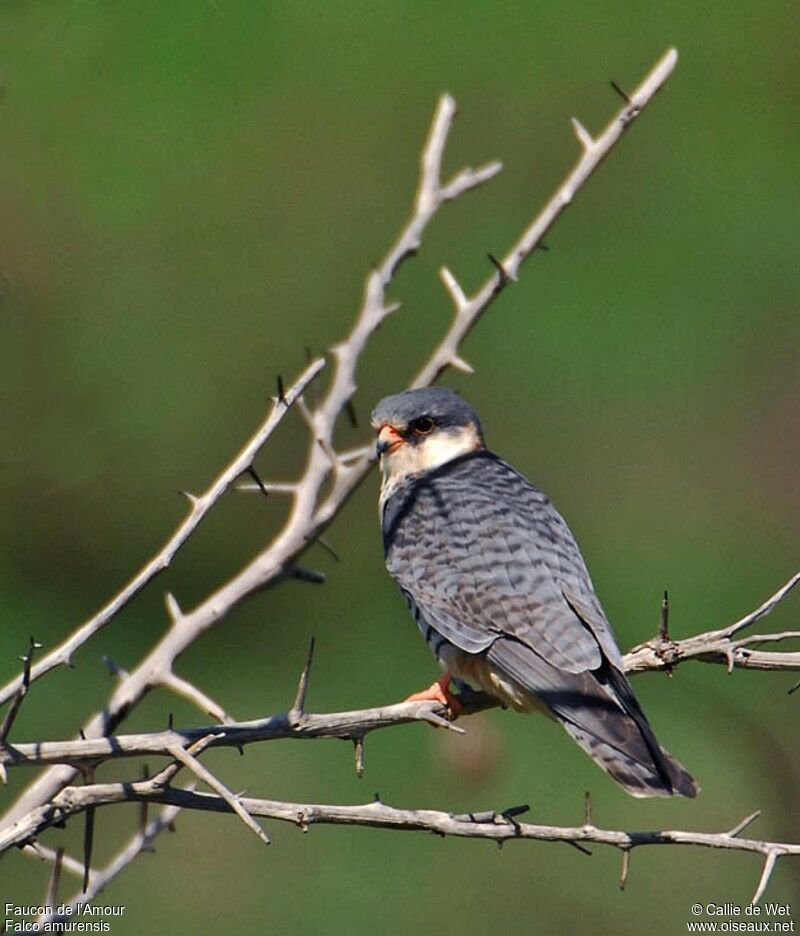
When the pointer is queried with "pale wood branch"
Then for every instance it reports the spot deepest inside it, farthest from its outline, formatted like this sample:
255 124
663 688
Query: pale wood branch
719 646
199 506
658 654
498 827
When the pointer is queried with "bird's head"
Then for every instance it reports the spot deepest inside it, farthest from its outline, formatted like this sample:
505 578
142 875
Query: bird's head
419 430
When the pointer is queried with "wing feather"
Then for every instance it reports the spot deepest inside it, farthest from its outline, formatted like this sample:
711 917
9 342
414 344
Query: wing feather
484 554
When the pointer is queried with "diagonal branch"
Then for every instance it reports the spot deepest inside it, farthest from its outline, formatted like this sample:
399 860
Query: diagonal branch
469 310
198 508
307 518
233 801
141 841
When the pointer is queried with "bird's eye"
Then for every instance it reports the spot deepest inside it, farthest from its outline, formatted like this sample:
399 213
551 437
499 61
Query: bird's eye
422 426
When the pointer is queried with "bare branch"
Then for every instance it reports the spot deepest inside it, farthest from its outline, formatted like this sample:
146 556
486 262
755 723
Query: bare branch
204 774
657 654
594 151
309 514
42 852
198 508
197 697
293 724
140 842
718 646
497 827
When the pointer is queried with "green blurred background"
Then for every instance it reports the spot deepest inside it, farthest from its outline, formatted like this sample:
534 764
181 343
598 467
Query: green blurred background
190 195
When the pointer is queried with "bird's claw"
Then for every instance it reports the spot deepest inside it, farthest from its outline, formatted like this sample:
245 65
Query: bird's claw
440 692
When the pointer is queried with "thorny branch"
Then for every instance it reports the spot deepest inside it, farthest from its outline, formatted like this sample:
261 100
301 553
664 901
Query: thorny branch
199 506
297 723
719 646
328 479
499 827
184 745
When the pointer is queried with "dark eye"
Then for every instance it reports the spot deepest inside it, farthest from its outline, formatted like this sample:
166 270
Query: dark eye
422 426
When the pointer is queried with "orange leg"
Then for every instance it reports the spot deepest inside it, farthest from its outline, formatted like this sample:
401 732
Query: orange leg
439 692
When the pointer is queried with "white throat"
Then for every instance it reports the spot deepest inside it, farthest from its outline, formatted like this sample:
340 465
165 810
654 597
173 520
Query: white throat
428 454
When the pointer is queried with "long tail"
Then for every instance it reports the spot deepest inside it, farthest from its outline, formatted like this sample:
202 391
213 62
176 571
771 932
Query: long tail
599 710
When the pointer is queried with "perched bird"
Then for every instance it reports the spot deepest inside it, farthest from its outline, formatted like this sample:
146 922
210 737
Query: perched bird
496 582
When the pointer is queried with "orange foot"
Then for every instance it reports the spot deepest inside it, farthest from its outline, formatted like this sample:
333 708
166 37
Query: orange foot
439 692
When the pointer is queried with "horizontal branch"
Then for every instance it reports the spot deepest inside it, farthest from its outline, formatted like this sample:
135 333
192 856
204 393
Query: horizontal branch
719 646
658 654
498 827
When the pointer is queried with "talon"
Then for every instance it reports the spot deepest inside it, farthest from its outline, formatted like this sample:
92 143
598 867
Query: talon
440 692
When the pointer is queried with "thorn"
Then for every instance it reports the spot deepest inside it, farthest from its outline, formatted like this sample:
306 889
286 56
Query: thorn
143 804
794 688
583 135
254 475
663 626
3 775
512 812
626 862
741 826
460 364
298 706
504 277
113 668
55 877
453 287
358 752
307 575
189 497
328 548
19 695
515 811
766 874
587 808
542 246
620 92
173 608
170 722
88 841
81 734
351 413
581 848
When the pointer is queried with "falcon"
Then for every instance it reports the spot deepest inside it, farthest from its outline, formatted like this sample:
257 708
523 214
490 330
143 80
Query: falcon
497 584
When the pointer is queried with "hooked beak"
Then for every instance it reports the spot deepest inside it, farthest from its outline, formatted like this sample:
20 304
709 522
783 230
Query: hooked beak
388 440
